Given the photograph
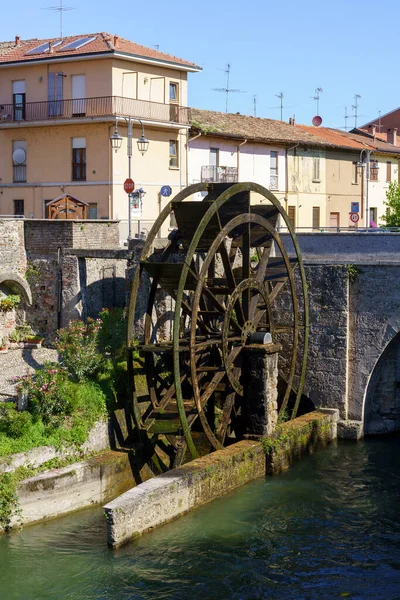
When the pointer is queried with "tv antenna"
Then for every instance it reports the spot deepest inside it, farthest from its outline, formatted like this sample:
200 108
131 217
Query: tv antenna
255 105
280 96
380 120
318 92
355 108
61 9
227 89
346 117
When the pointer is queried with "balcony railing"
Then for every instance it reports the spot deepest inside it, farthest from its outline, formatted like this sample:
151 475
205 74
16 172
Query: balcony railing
273 182
104 106
213 174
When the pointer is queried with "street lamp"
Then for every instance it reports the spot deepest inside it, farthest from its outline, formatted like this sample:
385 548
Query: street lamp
371 168
142 144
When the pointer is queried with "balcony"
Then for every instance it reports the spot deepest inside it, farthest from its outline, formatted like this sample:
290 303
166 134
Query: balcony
213 174
88 108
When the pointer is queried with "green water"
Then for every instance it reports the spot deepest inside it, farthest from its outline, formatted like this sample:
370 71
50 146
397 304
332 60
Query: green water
328 528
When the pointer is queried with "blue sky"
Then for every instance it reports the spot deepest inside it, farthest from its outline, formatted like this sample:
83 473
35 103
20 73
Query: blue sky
344 47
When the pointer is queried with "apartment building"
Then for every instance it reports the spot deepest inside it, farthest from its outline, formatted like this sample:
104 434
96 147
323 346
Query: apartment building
312 171
61 101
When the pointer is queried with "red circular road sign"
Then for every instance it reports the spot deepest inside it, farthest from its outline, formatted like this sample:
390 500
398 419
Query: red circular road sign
129 186
354 217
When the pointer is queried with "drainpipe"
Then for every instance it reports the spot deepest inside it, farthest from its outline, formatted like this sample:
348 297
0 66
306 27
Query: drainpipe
187 154
287 174
110 177
238 156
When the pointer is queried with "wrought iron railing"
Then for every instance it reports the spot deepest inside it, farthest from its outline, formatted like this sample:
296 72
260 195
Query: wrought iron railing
95 107
213 174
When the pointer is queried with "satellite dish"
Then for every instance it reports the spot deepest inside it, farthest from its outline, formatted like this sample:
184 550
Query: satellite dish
317 121
19 156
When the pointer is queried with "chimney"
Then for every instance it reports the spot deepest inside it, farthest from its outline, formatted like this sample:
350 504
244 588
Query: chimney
17 40
392 136
51 48
115 40
373 130
292 120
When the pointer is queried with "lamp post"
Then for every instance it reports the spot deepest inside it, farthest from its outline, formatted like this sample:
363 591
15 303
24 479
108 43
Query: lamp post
371 168
142 144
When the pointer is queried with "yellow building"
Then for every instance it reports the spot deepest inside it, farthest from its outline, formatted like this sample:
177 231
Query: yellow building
60 101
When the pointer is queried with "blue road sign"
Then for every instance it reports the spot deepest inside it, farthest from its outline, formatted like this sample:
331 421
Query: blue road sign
166 190
355 207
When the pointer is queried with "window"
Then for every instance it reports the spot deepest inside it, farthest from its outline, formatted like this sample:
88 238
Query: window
214 157
19 161
389 171
55 94
19 208
373 217
316 169
373 173
354 172
273 170
173 154
292 214
93 211
78 159
315 217
19 98
173 92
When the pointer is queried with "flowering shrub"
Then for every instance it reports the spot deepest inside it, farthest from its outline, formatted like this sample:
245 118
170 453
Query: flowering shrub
78 346
46 391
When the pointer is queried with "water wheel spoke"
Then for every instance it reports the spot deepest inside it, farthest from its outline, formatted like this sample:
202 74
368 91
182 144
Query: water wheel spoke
226 416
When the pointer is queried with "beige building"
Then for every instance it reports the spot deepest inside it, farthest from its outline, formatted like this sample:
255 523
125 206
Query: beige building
312 171
60 101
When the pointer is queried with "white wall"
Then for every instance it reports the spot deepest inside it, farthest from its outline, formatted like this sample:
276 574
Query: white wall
252 160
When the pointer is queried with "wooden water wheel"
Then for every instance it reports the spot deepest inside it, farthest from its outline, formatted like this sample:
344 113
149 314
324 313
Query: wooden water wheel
206 293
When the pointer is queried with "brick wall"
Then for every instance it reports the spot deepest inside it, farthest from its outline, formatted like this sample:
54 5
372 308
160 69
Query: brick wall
49 235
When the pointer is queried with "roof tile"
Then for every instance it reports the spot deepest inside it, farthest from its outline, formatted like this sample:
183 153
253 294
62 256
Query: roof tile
103 42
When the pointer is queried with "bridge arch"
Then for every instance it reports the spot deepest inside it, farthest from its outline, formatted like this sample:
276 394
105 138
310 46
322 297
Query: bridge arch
381 410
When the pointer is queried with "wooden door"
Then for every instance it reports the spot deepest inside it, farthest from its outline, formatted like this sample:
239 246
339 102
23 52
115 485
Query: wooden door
334 220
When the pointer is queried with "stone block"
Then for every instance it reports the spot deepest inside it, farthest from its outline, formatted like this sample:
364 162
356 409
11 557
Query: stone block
350 430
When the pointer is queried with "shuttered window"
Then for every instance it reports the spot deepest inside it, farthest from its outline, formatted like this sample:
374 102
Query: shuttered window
315 217
388 171
292 214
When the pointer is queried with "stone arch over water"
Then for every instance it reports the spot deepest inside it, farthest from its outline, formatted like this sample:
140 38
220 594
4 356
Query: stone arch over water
382 400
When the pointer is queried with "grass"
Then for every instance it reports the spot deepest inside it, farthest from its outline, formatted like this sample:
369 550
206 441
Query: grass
89 405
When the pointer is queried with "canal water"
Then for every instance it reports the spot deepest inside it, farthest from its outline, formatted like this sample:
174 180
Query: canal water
328 528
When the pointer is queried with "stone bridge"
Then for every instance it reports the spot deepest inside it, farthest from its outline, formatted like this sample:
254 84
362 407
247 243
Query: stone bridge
354 356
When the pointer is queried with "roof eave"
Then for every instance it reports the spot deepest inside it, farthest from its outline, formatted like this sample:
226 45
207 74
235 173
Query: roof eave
157 61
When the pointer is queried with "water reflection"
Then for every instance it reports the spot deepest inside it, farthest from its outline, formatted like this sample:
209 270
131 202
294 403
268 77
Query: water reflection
327 527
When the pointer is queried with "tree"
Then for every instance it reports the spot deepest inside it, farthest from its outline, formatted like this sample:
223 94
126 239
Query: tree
392 216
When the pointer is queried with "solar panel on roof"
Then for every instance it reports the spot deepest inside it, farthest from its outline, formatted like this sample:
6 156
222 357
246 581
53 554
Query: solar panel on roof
77 44
42 48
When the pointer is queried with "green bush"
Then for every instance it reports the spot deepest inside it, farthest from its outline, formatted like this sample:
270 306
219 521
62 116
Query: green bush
78 346
46 391
13 423
113 332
